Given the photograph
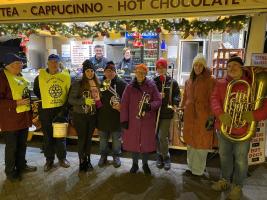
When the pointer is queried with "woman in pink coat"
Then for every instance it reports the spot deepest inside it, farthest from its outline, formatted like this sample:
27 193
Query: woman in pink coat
139 133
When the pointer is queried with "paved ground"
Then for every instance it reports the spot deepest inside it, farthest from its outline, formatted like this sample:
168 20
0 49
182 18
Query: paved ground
117 184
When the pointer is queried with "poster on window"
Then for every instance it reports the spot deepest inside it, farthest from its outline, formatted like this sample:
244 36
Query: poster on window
259 59
256 153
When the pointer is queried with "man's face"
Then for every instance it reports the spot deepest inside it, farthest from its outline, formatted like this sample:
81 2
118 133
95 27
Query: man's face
161 70
53 66
98 52
15 67
140 74
234 70
109 74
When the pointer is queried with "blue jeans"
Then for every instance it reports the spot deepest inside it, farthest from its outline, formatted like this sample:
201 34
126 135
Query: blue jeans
116 142
234 159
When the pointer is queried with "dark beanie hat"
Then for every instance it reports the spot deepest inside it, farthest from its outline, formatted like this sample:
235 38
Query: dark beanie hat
236 59
87 64
110 65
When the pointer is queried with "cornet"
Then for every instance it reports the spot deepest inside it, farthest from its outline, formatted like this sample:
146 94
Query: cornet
115 99
145 99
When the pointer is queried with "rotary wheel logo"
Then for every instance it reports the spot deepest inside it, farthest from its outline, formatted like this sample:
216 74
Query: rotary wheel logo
55 91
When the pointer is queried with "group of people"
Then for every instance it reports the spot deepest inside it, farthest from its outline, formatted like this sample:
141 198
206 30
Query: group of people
136 116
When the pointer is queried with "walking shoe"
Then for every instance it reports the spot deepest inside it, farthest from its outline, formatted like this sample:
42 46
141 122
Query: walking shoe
167 163
83 165
188 173
102 161
48 166
146 169
235 193
220 185
29 168
159 162
134 168
64 163
116 161
16 176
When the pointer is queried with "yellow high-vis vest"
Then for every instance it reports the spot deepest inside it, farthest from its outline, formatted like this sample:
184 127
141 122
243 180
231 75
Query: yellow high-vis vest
18 85
54 88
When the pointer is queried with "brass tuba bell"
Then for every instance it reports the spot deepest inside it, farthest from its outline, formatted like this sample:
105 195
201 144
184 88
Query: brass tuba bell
238 102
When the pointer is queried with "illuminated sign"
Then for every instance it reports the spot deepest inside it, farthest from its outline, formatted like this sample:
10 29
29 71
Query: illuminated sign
82 10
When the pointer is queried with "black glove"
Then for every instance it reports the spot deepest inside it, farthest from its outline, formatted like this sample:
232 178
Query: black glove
146 107
124 125
210 123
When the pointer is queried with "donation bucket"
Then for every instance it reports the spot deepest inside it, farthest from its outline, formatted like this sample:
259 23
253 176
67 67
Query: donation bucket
60 130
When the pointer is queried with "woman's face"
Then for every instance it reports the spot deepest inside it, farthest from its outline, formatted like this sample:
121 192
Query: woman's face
140 74
127 54
198 68
89 73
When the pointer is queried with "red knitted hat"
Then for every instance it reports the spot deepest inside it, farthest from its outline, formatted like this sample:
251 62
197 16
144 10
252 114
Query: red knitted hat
161 62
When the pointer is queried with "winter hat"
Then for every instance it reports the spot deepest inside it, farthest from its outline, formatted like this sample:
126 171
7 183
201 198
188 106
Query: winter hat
110 65
87 64
236 59
11 57
142 66
200 59
54 57
161 62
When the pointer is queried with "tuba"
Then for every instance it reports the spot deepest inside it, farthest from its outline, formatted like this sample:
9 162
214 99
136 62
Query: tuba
144 99
241 101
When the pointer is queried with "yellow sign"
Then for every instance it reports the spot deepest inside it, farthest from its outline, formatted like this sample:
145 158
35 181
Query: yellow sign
82 10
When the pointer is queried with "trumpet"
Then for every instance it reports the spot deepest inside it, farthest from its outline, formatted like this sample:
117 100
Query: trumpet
86 108
106 85
145 99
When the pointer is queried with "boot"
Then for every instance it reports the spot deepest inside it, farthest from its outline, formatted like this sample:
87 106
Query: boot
159 162
146 169
83 165
134 168
89 166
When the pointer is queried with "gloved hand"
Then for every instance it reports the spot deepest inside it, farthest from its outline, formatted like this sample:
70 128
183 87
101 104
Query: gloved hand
248 116
125 125
146 107
226 119
89 101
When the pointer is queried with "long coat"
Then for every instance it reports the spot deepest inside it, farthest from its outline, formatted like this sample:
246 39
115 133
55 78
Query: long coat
140 135
197 109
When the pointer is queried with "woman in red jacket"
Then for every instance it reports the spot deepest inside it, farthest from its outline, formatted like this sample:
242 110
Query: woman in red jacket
15 107
197 109
233 155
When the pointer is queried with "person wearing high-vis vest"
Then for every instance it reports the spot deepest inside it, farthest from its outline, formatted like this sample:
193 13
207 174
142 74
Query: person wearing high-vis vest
52 87
16 115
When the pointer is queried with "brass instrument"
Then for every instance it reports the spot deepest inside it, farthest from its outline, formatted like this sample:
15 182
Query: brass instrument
238 102
180 123
87 108
145 99
115 99
158 114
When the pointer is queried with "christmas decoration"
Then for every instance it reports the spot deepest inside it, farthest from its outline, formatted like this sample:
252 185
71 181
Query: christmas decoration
182 25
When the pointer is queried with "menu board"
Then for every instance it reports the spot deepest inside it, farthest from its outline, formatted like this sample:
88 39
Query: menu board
79 52
256 153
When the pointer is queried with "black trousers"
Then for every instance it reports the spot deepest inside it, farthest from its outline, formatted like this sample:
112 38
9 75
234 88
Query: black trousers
85 125
52 145
15 151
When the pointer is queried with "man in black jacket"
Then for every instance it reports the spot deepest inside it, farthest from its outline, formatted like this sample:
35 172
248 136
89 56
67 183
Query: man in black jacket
108 116
170 101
